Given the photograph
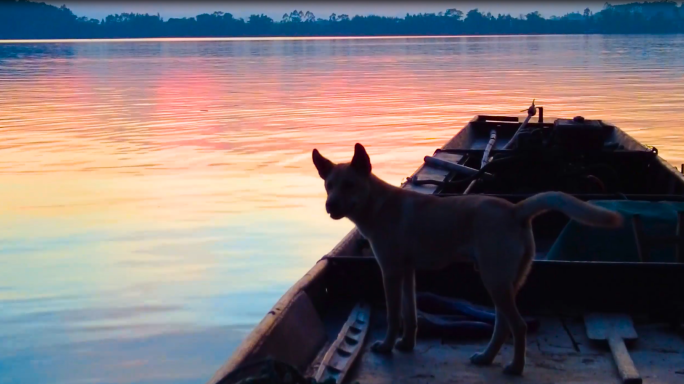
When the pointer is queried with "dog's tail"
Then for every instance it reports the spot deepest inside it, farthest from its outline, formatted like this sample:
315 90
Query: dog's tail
576 209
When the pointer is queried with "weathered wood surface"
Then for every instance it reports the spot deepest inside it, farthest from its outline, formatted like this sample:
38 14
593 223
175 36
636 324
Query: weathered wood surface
559 352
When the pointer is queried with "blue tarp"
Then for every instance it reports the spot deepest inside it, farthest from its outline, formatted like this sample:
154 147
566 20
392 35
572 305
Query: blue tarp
578 242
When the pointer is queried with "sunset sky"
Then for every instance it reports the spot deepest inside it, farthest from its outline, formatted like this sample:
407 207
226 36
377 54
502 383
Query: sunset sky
275 10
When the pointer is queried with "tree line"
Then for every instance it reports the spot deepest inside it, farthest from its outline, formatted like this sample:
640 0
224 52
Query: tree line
22 19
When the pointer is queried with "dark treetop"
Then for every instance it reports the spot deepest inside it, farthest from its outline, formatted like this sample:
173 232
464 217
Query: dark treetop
20 19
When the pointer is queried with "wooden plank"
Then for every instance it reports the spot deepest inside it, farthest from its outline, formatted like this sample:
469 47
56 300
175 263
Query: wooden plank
452 157
426 172
497 118
345 349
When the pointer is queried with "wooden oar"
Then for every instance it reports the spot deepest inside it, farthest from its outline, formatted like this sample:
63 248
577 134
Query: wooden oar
485 158
615 328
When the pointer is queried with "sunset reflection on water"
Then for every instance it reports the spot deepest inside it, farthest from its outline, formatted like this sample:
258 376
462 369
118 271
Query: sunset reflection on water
158 196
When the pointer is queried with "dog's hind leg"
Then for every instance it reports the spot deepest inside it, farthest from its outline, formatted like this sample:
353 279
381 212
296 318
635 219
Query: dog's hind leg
409 316
501 333
509 309
502 283
504 298
392 282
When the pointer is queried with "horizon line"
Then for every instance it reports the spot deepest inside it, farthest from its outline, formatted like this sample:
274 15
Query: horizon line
276 38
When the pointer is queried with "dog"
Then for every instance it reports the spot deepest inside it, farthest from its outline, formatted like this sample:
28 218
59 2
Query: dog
408 230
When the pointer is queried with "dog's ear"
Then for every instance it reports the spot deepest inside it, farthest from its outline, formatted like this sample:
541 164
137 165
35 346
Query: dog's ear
323 165
361 161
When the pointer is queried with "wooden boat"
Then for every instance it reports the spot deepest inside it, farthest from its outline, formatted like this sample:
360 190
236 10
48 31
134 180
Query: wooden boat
326 322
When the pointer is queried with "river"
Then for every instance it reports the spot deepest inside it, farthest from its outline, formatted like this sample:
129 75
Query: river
158 196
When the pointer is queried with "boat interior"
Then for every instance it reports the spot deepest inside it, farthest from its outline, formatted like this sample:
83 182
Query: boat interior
326 323
604 165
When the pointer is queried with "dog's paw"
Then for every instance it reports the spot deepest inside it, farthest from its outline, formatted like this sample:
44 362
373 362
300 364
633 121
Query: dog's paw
514 369
481 359
381 348
404 345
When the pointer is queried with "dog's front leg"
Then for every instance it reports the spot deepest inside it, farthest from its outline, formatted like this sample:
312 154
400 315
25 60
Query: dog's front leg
392 282
408 312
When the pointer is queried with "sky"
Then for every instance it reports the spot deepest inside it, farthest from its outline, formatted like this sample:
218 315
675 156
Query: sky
275 10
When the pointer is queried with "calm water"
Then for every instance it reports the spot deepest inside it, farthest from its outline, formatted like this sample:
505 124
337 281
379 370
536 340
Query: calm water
158 197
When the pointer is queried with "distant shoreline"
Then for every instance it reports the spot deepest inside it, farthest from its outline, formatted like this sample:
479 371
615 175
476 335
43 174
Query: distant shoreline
304 38
28 20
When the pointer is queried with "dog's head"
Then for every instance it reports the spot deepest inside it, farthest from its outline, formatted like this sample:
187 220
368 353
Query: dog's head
347 184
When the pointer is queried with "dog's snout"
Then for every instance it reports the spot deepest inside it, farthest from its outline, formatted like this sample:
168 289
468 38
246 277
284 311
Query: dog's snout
331 206
334 209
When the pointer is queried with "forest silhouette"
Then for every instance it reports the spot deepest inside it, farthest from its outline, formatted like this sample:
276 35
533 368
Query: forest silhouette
21 19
